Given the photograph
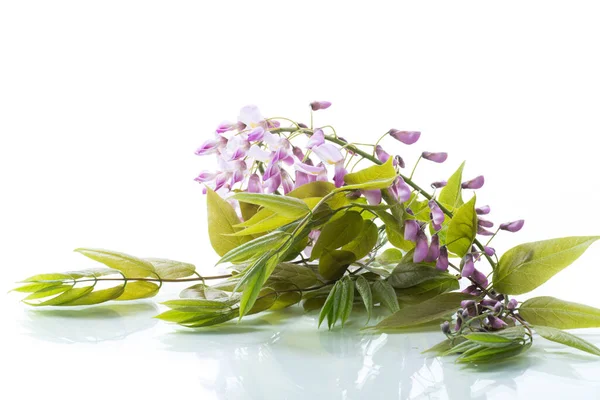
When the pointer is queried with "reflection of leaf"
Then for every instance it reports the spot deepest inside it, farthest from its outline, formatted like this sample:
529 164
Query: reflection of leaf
526 266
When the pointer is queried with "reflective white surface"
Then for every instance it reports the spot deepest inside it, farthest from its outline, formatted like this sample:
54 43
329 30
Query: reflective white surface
119 350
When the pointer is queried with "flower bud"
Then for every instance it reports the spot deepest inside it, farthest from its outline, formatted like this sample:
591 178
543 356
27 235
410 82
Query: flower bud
437 215
512 304
208 147
490 251
475 183
399 161
273 183
472 289
465 315
498 308
339 173
254 185
256 134
205 176
320 105
411 228
483 210
445 326
468 267
439 184
301 125
484 232
514 226
406 137
287 182
381 154
442 261
435 157
495 322
421 249
485 223
224 127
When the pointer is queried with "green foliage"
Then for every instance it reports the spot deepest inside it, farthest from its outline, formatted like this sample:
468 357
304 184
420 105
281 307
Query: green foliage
285 206
254 248
337 233
254 279
300 276
362 244
139 290
427 311
130 266
526 266
333 263
375 177
364 290
338 305
555 313
462 229
390 256
568 339
428 289
263 221
169 269
221 221
384 294
451 195
408 274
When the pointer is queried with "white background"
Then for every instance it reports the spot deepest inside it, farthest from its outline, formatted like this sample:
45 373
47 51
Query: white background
102 105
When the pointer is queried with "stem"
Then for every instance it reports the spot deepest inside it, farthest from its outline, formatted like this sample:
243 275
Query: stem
406 179
415 167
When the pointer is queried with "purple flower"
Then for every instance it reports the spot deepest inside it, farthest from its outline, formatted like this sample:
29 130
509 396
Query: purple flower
480 278
320 105
468 267
317 139
256 134
272 169
221 179
340 172
400 190
490 251
237 176
250 116
287 182
399 161
297 151
406 137
483 210
302 179
225 127
307 168
485 223
421 249
205 176
435 157
323 174
259 154
475 183
512 304
381 154
411 228
514 226
283 154
442 261
434 249
439 184
208 147
254 185
373 196
472 289
484 232
470 306
328 153
437 215
273 183
445 326
495 323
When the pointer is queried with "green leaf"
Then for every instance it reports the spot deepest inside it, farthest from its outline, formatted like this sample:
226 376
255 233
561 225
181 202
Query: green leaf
202 291
384 293
375 177
451 194
556 313
327 309
65 297
462 229
49 278
35 287
97 297
493 354
285 206
198 305
562 337
489 339
312 189
444 346
410 274
337 233
130 266
365 241
333 263
390 256
221 221
254 280
139 290
264 221
343 307
212 320
169 269
364 290
47 292
526 266
427 311
394 230
428 289
255 248
248 210
300 276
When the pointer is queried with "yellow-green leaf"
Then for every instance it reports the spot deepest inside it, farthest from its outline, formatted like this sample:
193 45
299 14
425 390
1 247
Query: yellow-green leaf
130 266
221 221
333 263
97 297
558 336
451 194
526 266
285 206
365 241
139 290
462 229
375 177
170 269
556 313
337 233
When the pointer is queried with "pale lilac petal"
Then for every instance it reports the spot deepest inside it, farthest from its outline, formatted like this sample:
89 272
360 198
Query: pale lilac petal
301 179
434 249
237 176
256 134
320 105
307 168
514 226
273 183
254 184
221 179
411 229
339 173
225 127
205 176
373 196
483 210
323 174
400 190
259 154
271 170
475 183
437 215
328 153
435 157
208 147
381 154
406 137
250 116
287 182
439 184
317 139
